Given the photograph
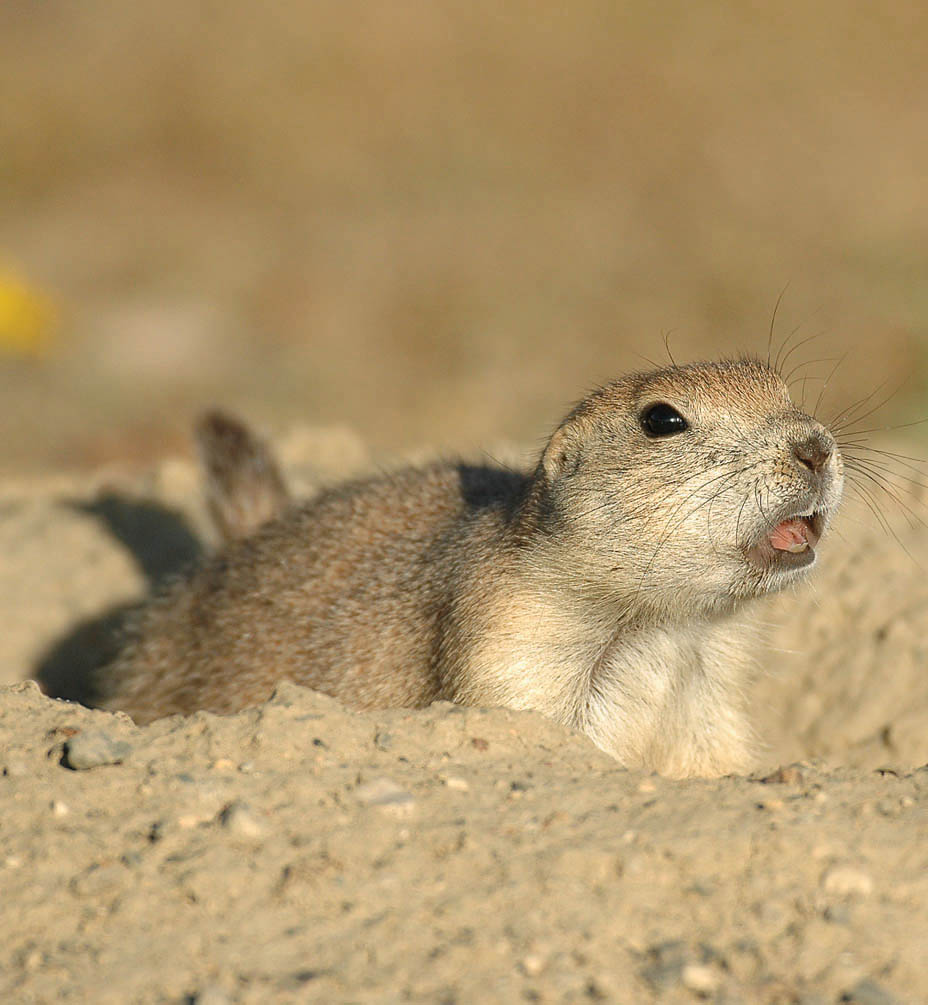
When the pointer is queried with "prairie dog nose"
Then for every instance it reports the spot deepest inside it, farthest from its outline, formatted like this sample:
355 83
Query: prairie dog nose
814 452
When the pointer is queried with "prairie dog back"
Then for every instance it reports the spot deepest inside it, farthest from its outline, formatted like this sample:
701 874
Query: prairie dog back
606 587
328 596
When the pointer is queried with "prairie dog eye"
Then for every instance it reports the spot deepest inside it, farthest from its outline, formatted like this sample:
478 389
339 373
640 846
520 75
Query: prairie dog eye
662 420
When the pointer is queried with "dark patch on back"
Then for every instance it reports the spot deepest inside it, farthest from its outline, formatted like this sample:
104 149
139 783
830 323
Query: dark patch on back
483 487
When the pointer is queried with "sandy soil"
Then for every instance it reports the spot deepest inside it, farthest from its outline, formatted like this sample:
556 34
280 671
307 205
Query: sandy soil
300 851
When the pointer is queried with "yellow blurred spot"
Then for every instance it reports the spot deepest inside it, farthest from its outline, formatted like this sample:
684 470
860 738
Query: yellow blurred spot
27 317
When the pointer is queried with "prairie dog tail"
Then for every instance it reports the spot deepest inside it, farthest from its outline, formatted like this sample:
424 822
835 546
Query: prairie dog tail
243 484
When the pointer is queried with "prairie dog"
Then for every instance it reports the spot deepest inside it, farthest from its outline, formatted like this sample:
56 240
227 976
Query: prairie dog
605 588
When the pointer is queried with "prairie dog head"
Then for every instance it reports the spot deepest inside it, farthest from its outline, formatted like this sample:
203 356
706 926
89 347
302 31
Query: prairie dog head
688 489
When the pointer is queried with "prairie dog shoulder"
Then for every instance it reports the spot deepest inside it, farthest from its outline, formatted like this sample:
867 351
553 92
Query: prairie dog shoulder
605 587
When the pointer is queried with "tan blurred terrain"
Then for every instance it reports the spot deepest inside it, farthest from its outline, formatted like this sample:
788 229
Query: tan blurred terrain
439 223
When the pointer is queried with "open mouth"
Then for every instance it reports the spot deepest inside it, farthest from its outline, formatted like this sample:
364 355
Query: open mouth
790 544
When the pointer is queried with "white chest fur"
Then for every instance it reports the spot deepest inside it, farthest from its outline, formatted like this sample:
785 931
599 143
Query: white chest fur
658 699
670 700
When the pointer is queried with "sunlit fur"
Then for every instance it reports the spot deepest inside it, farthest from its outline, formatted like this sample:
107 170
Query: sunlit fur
606 588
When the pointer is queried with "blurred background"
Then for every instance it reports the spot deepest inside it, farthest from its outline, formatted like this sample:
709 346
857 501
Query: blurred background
439 223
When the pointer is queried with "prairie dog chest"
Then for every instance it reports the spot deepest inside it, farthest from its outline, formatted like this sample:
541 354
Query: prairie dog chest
672 697
663 697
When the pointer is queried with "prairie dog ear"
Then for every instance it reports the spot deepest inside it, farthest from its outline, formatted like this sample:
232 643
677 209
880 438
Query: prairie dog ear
244 485
562 455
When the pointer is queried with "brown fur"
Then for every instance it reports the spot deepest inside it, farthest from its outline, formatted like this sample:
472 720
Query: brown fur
244 487
605 588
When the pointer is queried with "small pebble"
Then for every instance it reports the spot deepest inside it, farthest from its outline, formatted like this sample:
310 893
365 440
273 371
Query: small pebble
700 978
187 821
788 775
387 795
58 808
238 818
837 914
93 748
868 992
533 964
846 881
665 965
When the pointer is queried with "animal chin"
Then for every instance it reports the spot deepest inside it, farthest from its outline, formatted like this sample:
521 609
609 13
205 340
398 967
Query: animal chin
790 544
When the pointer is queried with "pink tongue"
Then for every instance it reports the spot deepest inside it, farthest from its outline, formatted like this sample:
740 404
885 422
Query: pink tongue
789 535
